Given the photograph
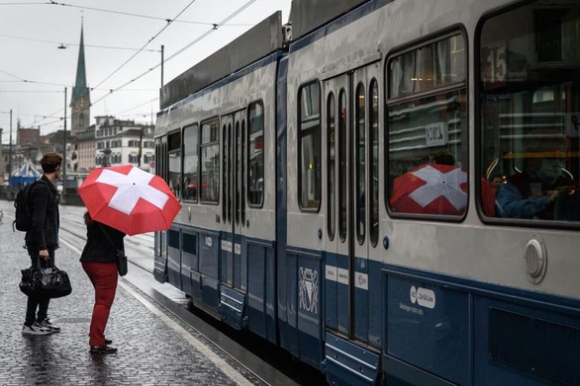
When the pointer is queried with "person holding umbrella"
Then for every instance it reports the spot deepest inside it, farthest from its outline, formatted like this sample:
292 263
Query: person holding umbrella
99 261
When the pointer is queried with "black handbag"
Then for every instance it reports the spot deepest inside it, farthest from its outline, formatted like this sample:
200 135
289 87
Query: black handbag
48 282
119 255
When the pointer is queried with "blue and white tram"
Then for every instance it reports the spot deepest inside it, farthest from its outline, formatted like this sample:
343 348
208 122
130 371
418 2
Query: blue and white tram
337 196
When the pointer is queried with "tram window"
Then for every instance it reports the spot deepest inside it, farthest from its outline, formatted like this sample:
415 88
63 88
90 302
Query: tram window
530 104
309 146
256 154
427 129
158 158
342 165
174 163
374 161
190 163
210 166
360 119
331 165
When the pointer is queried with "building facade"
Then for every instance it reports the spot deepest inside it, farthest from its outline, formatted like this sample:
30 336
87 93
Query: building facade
121 142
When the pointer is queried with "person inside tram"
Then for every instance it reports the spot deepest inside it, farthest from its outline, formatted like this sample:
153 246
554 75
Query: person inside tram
495 182
533 192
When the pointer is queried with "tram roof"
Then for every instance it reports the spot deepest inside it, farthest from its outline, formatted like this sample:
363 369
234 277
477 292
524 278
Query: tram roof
308 15
263 39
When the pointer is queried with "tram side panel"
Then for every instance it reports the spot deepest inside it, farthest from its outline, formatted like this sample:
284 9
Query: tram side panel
303 266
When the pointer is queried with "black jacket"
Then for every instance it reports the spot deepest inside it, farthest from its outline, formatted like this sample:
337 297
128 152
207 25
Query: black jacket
98 248
43 205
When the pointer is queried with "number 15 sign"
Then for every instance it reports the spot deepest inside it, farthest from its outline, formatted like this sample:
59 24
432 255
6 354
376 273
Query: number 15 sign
494 66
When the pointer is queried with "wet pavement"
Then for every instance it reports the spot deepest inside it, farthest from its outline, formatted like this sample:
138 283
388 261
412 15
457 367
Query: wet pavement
155 346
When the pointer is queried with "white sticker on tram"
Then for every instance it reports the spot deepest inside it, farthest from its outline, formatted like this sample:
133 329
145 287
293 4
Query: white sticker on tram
238 249
343 276
361 280
228 370
423 297
331 273
226 246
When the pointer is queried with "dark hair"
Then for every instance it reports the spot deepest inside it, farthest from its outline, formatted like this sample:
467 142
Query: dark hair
443 158
88 218
50 162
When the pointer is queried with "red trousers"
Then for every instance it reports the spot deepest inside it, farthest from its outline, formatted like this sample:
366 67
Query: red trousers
104 278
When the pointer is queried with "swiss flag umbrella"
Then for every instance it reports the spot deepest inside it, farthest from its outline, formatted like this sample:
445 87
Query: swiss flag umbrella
129 199
431 189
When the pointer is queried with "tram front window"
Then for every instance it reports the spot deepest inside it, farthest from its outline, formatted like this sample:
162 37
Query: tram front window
531 111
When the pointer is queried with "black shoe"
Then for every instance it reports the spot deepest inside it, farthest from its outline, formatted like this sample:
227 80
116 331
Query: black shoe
104 349
108 341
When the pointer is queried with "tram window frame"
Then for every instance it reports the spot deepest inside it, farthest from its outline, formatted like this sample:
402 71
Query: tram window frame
215 143
374 154
187 151
249 178
314 131
534 114
342 152
360 116
449 85
331 197
174 149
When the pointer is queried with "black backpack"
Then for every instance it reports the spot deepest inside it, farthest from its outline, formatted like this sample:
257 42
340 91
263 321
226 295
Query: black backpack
23 216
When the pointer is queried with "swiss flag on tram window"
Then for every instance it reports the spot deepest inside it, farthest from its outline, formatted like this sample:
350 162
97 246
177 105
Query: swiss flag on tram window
431 189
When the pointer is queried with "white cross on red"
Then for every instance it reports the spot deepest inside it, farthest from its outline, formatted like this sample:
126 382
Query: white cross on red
440 184
130 188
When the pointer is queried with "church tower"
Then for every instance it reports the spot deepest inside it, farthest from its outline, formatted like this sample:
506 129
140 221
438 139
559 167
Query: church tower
81 99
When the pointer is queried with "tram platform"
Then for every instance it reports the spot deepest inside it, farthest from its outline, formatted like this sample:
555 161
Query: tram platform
156 346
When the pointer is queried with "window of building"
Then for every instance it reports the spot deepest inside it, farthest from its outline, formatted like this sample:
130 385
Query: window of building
309 145
427 129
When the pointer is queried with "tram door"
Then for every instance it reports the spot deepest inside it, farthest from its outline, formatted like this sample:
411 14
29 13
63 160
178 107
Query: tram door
347 204
233 200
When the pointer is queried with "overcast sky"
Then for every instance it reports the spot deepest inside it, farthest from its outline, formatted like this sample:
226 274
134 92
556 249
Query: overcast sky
34 72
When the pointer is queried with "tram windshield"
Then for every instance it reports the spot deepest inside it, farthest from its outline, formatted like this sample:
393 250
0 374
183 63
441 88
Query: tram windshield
530 90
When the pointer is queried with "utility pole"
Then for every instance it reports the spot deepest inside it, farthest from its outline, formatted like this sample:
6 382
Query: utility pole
162 65
10 153
64 146
140 153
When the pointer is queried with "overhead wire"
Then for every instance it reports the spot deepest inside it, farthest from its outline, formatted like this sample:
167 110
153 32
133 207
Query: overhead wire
75 44
141 16
195 41
146 44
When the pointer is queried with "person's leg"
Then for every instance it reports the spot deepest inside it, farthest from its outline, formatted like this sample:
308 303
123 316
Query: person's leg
30 325
33 301
44 302
104 278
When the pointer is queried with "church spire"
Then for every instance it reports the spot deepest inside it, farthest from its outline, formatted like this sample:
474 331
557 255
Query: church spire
80 88
81 80
81 96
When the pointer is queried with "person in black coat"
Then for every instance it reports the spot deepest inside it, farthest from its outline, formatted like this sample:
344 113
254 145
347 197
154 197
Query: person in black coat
42 240
100 264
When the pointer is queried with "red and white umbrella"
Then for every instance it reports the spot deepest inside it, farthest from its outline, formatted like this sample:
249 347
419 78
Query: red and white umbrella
129 199
431 189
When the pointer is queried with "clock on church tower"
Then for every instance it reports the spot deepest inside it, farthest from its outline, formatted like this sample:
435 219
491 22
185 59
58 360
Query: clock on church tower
82 103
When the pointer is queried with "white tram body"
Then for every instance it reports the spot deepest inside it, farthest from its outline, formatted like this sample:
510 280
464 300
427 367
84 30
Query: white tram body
353 221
